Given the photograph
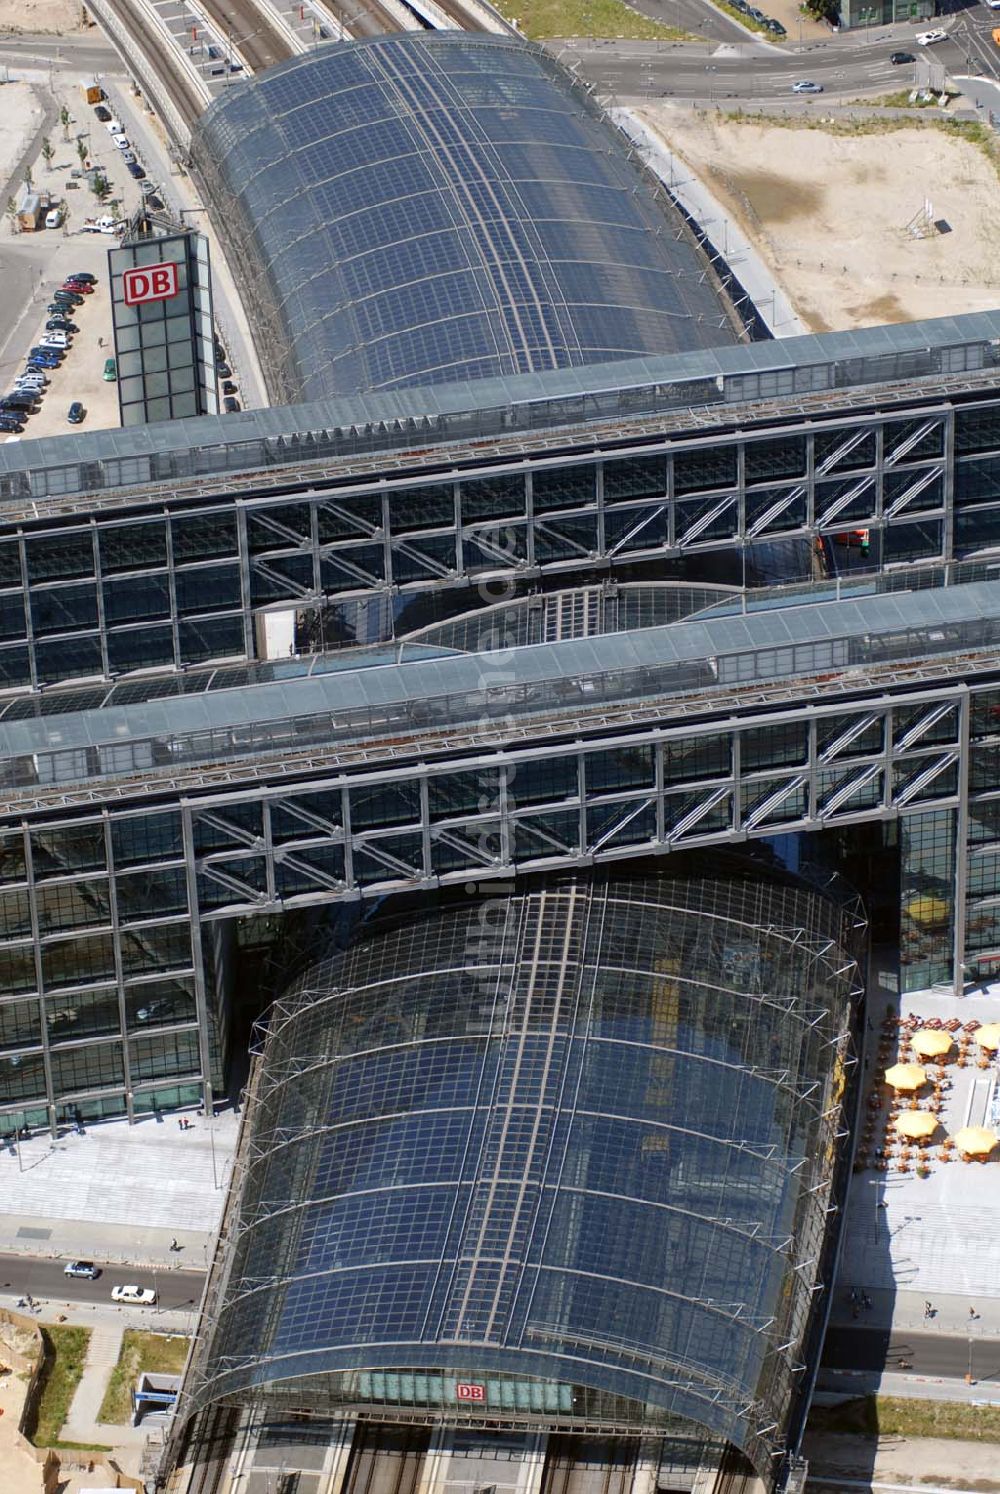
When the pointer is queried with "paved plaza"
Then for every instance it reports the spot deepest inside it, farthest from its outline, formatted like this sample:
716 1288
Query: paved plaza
118 1192
938 1233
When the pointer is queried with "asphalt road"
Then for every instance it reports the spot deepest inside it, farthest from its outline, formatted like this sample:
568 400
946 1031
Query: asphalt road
86 52
45 1281
922 1354
731 67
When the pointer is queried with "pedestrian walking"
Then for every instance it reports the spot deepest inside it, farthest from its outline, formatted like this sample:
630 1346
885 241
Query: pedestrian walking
973 1314
928 1311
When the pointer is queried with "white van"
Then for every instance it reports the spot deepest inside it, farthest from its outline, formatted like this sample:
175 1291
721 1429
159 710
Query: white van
53 218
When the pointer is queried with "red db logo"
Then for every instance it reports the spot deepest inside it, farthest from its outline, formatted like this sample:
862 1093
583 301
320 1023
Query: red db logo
158 283
470 1392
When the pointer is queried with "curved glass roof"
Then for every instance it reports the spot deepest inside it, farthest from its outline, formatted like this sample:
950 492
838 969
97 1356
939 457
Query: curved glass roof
432 207
578 1136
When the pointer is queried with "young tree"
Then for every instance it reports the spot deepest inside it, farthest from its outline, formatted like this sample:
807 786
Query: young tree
12 212
48 151
81 150
64 121
28 178
100 187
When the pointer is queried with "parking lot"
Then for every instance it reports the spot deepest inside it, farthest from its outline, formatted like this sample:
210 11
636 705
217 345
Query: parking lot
47 256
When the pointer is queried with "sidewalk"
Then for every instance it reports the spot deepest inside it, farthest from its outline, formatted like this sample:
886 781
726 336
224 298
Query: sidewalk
903 1310
119 1193
107 1316
81 1425
836 1385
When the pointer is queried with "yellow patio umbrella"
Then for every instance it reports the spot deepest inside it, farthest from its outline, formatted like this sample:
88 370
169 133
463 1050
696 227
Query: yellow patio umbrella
989 1036
975 1141
906 1075
928 911
916 1124
930 1042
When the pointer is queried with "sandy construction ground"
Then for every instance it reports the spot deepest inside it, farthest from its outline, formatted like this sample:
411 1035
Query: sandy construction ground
829 213
35 16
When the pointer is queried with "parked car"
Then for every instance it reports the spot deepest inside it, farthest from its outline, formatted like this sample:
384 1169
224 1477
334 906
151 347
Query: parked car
110 371
55 340
76 413
137 1295
128 156
898 58
154 200
229 387
102 114
10 426
83 275
78 287
775 27
230 406
147 189
135 171
223 371
122 141
82 1270
113 126
805 86
60 324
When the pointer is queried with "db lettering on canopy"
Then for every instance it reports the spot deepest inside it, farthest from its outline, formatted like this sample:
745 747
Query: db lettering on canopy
156 283
470 1392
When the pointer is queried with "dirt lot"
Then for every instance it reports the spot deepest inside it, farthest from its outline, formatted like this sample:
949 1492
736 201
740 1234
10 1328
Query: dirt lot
829 213
36 16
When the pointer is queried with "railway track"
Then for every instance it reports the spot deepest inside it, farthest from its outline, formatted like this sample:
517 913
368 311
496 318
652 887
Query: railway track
259 42
166 69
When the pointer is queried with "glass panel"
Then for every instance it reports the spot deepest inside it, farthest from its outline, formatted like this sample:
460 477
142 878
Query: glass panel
59 556
133 547
203 536
563 487
784 456
712 467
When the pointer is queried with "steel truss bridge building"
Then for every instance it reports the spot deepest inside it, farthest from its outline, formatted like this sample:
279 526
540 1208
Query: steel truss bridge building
170 773
572 1151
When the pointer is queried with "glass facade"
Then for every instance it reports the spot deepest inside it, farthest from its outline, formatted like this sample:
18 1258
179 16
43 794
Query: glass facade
490 220
164 350
168 770
582 1138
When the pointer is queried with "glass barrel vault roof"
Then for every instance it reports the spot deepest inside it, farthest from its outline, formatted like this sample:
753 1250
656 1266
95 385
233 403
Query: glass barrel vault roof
433 207
580 1135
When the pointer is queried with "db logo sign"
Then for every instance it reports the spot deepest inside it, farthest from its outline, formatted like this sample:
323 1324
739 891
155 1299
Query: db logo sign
158 283
470 1392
